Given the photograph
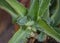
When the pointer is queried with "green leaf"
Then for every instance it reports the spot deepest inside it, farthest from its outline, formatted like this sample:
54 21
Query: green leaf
46 17
43 5
20 36
53 7
18 7
46 14
56 16
32 12
29 23
49 30
5 6
57 29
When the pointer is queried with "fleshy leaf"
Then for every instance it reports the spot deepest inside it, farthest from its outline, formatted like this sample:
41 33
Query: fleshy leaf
5 6
49 30
44 4
18 7
20 36
32 12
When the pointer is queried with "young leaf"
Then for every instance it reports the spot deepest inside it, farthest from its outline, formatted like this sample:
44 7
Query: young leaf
22 20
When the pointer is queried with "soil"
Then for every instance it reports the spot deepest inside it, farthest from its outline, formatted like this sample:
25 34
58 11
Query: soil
49 40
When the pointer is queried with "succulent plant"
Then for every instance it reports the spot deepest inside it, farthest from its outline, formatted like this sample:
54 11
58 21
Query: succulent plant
42 15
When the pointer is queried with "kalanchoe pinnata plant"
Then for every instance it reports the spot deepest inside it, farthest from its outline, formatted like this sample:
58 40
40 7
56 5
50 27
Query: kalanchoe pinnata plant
42 15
